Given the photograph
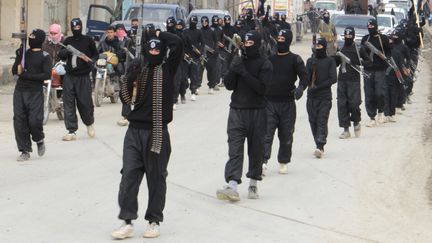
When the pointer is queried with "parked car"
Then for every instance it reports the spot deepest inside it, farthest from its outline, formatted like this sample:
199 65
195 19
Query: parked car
386 23
358 22
101 16
209 13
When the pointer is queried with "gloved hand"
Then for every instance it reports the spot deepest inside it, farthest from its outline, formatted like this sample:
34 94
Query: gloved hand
237 66
298 92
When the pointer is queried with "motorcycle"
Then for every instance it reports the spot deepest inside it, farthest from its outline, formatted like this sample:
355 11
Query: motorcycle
107 80
53 102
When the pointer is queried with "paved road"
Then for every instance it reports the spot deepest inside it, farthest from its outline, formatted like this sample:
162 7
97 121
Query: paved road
370 189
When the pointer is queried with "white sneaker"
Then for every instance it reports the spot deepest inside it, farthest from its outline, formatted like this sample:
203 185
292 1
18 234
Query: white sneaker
69 137
122 122
357 130
197 92
125 231
193 97
152 231
264 169
399 111
391 118
283 168
91 131
318 153
345 135
380 118
372 123
174 107
211 91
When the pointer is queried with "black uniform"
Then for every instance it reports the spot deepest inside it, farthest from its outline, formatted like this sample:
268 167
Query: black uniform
319 96
77 91
210 41
280 94
181 78
194 39
348 87
147 145
375 86
28 98
247 78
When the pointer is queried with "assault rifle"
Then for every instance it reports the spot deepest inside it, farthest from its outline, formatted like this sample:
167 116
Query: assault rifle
76 53
346 60
188 59
202 57
389 60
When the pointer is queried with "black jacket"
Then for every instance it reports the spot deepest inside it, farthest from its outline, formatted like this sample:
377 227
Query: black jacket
381 42
286 69
193 37
353 54
87 46
37 70
326 76
249 90
141 116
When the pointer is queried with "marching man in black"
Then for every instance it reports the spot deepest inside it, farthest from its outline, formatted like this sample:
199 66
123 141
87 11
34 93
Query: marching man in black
348 88
322 73
280 95
149 88
28 98
77 90
247 78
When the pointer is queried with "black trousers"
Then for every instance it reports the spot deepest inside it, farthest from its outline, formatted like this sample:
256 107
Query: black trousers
280 116
77 93
213 70
193 72
401 96
348 102
318 112
180 80
125 110
375 89
28 118
137 161
391 96
244 124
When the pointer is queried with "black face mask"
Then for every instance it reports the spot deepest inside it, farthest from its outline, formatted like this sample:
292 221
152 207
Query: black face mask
193 25
349 41
250 51
283 47
321 53
372 31
155 59
76 33
397 40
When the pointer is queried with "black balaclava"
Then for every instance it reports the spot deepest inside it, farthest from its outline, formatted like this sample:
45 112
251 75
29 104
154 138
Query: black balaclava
36 38
254 50
283 17
249 14
150 32
204 19
396 37
321 53
238 24
326 17
193 22
170 24
349 31
181 23
284 47
155 43
227 20
276 17
76 22
374 30
215 21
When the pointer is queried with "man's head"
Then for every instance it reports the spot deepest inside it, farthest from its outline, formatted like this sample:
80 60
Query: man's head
349 35
249 13
110 33
239 23
321 48
372 26
252 44
155 51
36 38
283 17
134 23
215 19
276 16
170 24
284 40
120 31
54 33
326 17
180 24
76 27
227 19
193 22
204 21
